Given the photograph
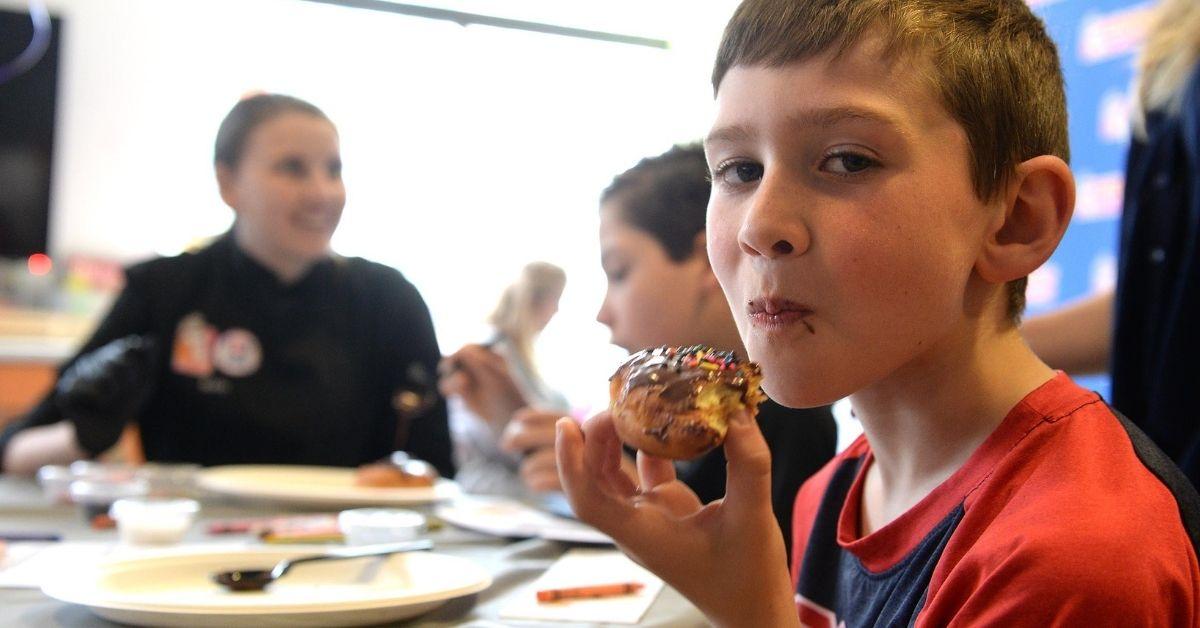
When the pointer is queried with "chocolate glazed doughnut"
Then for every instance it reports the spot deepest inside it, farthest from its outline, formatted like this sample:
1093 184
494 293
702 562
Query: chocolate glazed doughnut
675 402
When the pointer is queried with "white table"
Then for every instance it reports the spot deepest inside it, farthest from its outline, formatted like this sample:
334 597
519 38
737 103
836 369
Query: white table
511 563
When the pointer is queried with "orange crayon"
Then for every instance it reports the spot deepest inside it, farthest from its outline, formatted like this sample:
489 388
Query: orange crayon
596 590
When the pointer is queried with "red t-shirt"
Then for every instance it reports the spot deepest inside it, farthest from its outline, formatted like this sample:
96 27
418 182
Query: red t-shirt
1065 515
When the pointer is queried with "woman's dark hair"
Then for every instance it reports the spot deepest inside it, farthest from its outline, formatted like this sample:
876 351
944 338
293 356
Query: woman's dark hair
247 115
665 196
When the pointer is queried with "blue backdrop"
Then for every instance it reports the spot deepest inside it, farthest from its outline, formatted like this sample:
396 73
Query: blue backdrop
1098 41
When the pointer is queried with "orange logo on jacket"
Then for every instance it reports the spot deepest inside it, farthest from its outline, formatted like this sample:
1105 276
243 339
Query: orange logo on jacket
200 350
192 352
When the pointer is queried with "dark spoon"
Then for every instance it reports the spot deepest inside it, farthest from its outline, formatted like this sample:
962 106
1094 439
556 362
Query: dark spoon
258 579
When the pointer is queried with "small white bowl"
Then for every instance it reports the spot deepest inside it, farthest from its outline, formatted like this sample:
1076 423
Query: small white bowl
150 521
368 526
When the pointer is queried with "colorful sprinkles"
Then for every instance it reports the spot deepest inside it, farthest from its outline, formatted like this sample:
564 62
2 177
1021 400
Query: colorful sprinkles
702 357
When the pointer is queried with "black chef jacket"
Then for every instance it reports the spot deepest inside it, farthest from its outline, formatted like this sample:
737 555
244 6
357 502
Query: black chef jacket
251 370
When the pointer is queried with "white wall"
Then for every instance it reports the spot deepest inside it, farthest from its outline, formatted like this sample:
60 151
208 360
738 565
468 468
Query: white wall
468 151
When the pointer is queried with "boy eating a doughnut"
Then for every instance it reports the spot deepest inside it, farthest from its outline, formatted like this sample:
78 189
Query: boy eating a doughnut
886 173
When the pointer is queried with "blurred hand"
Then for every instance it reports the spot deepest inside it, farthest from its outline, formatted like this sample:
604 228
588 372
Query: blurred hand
531 434
102 390
482 379
727 557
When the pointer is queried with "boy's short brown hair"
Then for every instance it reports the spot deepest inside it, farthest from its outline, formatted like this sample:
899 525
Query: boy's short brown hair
990 62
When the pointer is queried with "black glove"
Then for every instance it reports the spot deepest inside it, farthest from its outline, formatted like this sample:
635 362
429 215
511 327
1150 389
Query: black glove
103 389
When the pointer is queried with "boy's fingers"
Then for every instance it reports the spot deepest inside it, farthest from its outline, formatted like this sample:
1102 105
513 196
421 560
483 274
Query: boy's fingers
604 454
653 471
589 502
748 469
675 497
572 472
659 485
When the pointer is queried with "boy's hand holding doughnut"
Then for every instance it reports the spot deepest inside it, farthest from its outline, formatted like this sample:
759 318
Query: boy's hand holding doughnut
658 519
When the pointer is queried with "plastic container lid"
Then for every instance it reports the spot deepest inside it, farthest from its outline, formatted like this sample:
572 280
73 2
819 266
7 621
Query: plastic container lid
53 472
366 526
91 469
169 479
106 491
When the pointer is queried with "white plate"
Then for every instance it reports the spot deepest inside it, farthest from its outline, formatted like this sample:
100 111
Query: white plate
507 518
173 588
314 486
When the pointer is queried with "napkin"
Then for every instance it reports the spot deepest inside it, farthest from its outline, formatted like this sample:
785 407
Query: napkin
506 517
28 565
585 567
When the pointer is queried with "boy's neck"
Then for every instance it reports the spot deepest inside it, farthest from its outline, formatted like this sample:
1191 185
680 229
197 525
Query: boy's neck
926 420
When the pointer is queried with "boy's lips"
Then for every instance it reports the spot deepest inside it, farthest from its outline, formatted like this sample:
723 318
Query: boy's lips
776 313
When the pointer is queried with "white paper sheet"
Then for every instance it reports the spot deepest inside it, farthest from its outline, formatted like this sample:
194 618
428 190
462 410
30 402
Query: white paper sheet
28 565
585 567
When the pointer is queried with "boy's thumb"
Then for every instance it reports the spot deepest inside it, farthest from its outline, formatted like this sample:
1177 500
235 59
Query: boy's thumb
748 471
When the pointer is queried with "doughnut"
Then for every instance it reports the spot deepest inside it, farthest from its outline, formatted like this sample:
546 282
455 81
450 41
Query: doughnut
675 402
388 475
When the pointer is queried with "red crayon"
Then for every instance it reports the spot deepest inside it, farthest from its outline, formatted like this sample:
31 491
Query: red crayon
596 590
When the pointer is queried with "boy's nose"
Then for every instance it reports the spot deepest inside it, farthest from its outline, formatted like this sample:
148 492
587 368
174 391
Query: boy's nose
325 188
604 314
772 226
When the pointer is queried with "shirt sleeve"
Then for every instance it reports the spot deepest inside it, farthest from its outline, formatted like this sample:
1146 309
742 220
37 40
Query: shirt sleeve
1077 581
128 315
409 361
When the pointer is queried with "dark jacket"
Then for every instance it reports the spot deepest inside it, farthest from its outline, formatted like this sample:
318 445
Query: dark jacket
1156 342
801 442
250 370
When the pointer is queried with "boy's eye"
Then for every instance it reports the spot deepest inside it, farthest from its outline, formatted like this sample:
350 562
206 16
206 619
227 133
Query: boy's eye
737 173
294 167
847 163
617 275
335 169
748 172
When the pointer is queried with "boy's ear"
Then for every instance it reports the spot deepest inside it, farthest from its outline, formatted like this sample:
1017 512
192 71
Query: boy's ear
1037 207
225 184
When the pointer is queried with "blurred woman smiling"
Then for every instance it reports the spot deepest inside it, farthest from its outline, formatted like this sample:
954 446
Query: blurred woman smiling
264 347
